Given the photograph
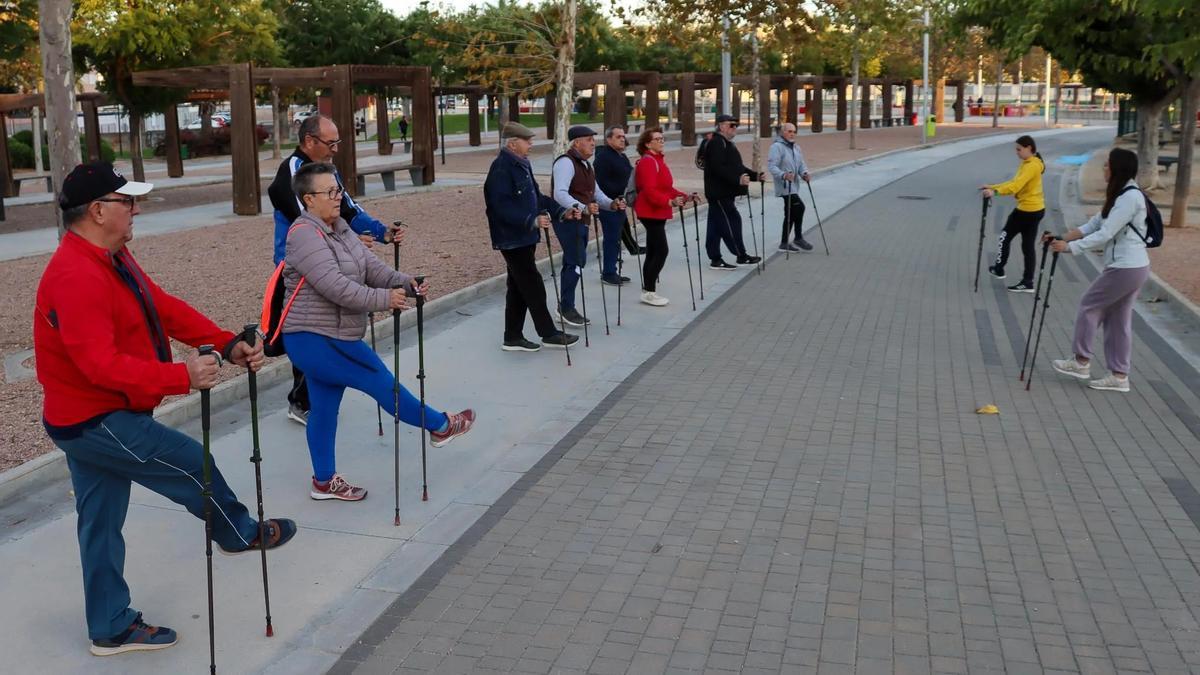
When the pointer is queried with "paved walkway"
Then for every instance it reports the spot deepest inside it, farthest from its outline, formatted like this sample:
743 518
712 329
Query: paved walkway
798 482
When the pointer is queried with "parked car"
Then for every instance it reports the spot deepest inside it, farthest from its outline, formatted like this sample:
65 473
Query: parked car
301 116
218 120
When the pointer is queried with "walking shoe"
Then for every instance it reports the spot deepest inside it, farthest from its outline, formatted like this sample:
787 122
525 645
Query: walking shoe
720 264
1073 368
789 248
457 424
803 244
521 345
279 532
614 280
653 299
560 340
297 414
1021 288
996 271
139 637
1111 383
748 260
337 488
573 317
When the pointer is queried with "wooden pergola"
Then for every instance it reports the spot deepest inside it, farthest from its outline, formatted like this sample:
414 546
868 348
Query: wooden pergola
615 83
88 102
241 78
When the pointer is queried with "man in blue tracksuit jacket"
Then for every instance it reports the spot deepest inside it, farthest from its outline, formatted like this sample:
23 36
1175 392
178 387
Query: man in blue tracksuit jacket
515 207
318 143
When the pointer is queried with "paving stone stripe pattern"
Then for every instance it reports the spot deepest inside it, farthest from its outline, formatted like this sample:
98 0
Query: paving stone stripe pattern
799 483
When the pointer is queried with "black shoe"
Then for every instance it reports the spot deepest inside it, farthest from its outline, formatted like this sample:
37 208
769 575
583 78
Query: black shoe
720 264
279 532
996 271
789 248
560 340
1021 288
139 637
803 244
573 317
613 280
520 345
748 260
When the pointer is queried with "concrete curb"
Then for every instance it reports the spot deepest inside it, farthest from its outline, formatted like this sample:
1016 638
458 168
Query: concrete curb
41 471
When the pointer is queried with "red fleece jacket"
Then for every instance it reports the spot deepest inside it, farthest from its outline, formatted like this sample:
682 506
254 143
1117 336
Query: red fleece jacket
655 188
93 347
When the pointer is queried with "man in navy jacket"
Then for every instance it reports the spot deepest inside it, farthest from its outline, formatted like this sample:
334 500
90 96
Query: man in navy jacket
612 174
515 207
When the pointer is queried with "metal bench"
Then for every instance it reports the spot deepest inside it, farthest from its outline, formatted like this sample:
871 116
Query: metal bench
387 173
1167 161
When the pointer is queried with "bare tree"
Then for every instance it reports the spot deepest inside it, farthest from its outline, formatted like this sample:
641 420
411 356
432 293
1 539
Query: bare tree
58 73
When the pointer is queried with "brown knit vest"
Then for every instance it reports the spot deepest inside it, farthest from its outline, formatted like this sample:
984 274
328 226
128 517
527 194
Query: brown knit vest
583 182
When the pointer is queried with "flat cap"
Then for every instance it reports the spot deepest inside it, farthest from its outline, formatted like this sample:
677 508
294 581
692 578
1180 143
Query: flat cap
579 131
515 130
726 118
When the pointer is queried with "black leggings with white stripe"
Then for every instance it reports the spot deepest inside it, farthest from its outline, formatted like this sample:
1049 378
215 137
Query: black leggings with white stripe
1024 223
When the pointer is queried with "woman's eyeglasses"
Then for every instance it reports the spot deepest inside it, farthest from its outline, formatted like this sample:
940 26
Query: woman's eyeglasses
332 193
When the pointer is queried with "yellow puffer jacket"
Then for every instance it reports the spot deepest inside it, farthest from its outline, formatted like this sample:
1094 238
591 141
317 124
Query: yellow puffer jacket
1026 185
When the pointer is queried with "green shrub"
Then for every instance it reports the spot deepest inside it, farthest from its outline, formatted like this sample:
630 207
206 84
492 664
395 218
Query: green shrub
25 136
20 151
20 155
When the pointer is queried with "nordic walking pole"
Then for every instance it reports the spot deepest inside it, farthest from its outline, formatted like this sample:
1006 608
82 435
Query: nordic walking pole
396 390
420 279
820 227
696 220
1042 322
600 266
987 201
787 220
687 256
582 240
206 493
378 408
762 218
250 334
753 232
637 247
1037 295
562 323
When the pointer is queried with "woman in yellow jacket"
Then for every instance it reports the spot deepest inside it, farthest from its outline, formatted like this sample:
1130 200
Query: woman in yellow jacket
1024 220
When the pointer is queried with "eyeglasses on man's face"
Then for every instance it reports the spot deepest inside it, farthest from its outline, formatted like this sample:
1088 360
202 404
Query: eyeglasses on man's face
127 201
329 144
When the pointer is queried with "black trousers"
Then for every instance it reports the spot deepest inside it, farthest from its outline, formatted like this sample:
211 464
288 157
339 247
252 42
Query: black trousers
298 395
526 293
656 252
1024 223
793 218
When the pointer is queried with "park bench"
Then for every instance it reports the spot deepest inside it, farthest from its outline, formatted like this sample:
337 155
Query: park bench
1167 161
17 180
387 172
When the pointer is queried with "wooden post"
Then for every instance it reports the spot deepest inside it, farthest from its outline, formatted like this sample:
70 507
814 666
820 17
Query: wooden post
91 129
383 130
174 159
887 102
737 103
247 189
548 113
7 187
473 120
514 108
841 104
764 106
960 90
423 111
342 97
652 108
908 102
864 109
614 101
793 99
808 97
818 105
434 102
687 109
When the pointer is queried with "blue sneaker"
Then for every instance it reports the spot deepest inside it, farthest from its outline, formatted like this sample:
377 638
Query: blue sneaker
279 532
139 637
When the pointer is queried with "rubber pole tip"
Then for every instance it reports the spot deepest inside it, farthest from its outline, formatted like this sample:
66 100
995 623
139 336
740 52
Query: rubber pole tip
424 494
270 631
397 523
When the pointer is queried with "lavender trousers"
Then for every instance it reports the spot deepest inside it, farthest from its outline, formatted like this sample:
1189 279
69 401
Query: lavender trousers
1108 302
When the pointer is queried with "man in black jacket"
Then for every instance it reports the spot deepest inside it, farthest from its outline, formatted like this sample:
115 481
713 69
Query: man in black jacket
613 170
725 179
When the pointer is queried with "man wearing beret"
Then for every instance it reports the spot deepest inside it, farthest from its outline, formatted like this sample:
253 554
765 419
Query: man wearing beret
573 184
102 333
515 207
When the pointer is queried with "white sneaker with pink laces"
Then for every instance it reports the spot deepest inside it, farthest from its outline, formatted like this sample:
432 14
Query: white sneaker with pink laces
337 488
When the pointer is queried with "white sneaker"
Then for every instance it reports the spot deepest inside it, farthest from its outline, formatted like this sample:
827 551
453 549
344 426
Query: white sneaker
653 299
1111 383
1072 368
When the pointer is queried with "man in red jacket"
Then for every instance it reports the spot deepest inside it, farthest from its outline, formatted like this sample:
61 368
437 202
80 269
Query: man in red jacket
101 336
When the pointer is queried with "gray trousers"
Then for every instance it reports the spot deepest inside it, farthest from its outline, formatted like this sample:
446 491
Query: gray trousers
1108 302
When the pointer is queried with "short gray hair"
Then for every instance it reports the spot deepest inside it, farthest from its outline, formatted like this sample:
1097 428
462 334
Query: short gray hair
74 214
305 178
311 126
613 130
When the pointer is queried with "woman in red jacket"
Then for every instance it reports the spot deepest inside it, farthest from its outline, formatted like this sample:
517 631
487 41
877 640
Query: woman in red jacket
656 195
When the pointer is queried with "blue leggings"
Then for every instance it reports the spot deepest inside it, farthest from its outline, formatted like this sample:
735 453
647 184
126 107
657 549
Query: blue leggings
330 366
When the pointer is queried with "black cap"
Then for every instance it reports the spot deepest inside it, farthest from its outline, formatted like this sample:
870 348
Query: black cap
726 118
579 132
89 182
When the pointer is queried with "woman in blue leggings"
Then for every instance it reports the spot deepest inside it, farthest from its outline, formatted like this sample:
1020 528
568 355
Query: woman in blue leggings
332 281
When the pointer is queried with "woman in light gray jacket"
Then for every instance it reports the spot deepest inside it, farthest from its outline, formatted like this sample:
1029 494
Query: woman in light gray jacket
339 282
1118 230
786 164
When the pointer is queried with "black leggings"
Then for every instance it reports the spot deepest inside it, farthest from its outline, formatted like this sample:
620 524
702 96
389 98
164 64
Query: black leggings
656 252
1024 223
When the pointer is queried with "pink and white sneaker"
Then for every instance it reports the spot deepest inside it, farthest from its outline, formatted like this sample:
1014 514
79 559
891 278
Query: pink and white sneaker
337 488
459 424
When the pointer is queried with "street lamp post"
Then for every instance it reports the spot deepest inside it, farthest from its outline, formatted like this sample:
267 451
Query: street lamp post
925 81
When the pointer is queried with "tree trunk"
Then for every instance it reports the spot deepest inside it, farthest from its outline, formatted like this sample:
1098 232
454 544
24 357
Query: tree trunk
564 77
206 111
853 90
1187 140
135 145
1147 136
996 96
58 74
